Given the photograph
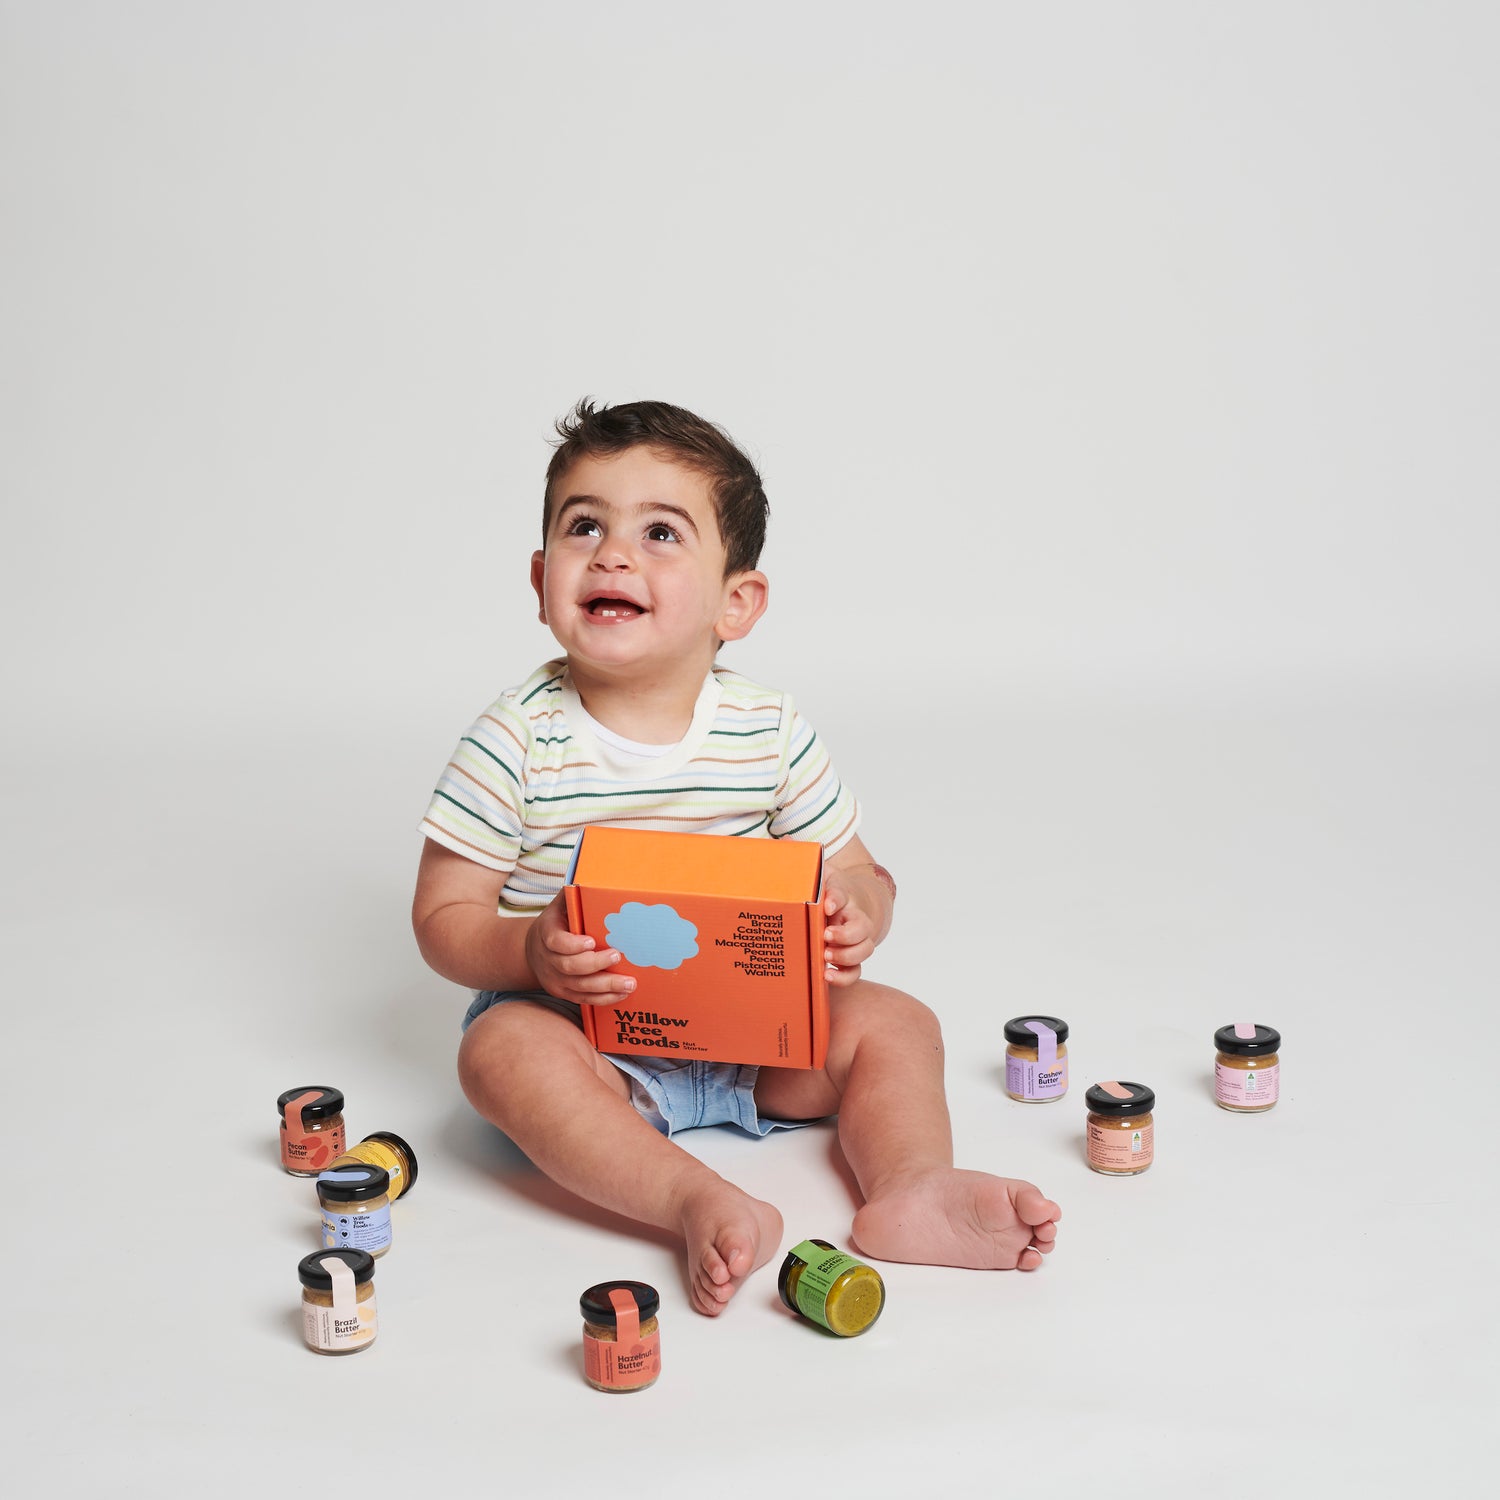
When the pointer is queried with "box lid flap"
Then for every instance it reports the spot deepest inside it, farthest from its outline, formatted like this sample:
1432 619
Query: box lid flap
745 868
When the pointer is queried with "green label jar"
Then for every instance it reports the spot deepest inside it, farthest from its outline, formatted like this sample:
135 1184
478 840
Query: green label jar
831 1289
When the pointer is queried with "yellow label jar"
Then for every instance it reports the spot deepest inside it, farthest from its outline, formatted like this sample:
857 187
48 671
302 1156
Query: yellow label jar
621 1336
1036 1058
831 1289
338 1300
1247 1068
312 1128
1120 1128
383 1149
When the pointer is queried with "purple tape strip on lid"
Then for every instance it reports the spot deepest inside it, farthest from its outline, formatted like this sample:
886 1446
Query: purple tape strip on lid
1245 1030
1046 1045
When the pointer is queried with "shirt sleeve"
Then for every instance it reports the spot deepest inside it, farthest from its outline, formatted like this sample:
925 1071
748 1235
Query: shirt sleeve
476 807
811 802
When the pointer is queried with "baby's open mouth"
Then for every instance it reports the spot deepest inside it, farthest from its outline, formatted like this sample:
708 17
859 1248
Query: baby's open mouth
613 609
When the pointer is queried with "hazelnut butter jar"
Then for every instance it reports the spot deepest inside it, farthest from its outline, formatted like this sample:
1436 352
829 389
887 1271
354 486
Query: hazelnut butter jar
312 1129
1036 1058
338 1300
621 1337
1247 1069
1120 1128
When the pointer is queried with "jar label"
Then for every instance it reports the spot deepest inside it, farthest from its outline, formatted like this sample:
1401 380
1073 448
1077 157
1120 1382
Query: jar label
816 1279
304 1150
627 1360
1121 1150
357 1231
1036 1079
1247 1088
349 1323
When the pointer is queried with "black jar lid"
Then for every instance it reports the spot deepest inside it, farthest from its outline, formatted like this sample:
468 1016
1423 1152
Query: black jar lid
357 1182
403 1148
1141 1101
310 1270
597 1308
1021 1035
1266 1040
330 1102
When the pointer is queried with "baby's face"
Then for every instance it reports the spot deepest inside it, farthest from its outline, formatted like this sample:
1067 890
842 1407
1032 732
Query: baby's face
631 579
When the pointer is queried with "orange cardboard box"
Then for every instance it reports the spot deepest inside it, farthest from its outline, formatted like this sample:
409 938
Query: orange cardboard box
724 937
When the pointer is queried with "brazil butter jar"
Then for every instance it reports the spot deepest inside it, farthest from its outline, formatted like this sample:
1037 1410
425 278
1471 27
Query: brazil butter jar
356 1204
312 1129
1036 1058
383 1149
1247 1067
338 1300
837 1292
1121 1131
621 1336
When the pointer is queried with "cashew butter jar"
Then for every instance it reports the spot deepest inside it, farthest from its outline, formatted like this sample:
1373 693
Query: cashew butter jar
356 1204
1036 1058
621 1336
1120 1128
1247 1067
338 1300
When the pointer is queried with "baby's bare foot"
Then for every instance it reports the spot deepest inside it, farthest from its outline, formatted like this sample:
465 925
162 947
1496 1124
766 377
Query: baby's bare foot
948 1217
729 1234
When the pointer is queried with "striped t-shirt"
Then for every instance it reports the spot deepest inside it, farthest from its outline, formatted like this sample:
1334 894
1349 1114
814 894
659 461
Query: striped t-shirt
528 777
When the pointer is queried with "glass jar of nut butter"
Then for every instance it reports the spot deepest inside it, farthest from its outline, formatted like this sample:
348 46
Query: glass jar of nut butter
356 1204
1247 1069
1036 1058
1120 1128
621 1336
384 1149
338 1300
312 1129
831 1289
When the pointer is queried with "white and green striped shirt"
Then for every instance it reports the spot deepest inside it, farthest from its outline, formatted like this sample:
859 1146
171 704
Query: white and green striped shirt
529 776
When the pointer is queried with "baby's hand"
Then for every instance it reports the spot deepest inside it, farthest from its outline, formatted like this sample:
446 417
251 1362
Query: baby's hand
849 936
566 964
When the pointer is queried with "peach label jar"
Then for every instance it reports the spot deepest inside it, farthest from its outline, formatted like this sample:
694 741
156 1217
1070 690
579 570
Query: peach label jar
1247 1068
312 1128
356 1204
621 1336
1120 1128
827 1287
1036 1058
384 1149
338 1300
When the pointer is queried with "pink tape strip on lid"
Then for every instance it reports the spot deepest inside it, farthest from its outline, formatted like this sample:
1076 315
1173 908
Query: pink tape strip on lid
627 1317
1046 1045
1115 1091
1245 1030
294 1107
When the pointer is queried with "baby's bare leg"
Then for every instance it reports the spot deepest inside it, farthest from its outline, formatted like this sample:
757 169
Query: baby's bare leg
884 1076
530 1071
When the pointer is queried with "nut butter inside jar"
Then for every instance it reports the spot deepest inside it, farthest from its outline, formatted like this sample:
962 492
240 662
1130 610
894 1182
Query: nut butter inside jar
1036 1058
621 1336
338 1300
382 1148
1120 1128
1247 1067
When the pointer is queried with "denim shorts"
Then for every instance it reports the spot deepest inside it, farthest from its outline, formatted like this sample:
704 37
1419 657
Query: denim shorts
670 1094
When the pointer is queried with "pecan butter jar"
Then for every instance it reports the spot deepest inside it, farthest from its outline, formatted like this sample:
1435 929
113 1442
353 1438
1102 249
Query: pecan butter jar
1247 1068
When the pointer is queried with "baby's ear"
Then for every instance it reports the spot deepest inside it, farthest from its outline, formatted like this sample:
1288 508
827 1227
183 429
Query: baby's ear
745 598
538 564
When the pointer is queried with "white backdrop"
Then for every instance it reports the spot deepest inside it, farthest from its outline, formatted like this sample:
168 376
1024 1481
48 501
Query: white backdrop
1124 379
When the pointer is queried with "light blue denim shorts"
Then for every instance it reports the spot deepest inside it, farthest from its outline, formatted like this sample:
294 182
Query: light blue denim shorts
670 1094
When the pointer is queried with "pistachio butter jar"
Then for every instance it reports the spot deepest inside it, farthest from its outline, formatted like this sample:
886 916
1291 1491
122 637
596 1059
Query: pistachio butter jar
338 1300
312 1128
621 1336
824 1285
1247 1067
382 1148
356 1204
1036 1058
1121 1130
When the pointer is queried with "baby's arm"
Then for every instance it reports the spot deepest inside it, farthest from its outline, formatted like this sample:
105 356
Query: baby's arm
858 905
462 935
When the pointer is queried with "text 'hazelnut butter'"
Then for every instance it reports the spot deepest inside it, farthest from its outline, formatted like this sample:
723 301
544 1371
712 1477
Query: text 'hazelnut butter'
1036 1058
1120 1128
621 1336
1247 1068
831 1289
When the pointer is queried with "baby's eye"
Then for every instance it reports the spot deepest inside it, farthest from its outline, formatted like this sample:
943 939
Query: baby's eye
661 532
583 526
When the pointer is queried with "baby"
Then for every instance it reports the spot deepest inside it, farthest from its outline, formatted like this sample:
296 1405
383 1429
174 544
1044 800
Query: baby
652 527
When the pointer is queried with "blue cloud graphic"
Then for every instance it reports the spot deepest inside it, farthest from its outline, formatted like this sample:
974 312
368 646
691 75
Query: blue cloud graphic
651 937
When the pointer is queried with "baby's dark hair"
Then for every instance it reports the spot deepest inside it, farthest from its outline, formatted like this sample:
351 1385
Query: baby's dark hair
673 433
